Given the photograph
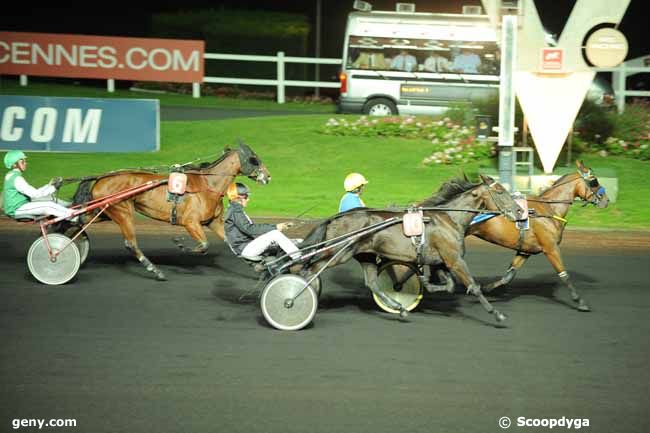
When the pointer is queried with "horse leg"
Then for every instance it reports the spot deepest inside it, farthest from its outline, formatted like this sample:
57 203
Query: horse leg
195 230
555 258
443 276
217 228
370 275
517 262
458 267
122 215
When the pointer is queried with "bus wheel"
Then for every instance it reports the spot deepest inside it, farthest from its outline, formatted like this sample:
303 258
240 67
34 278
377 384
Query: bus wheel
380 107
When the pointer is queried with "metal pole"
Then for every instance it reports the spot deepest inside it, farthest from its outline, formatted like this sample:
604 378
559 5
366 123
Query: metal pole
524 137
620 89
110 85
23 80
318 32
280 77
507 99
569 146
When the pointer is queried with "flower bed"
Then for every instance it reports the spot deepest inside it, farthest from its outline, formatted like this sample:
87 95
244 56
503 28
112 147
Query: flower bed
628 136
451 143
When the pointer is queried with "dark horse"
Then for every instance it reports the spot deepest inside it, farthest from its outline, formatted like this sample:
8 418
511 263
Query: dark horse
546 226
444 234
201 205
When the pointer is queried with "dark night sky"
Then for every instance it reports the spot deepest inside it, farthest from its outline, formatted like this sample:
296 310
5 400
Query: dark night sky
135 20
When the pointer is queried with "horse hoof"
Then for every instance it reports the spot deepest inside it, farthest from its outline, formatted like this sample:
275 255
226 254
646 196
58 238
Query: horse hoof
489 287
583 307
403 313
500 316
161 277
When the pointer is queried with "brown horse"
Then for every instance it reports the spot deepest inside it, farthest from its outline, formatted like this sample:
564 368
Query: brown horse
201 205
546 226
444 234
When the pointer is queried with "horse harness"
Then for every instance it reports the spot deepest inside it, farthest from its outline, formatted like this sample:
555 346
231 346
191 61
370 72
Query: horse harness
177 188
413 227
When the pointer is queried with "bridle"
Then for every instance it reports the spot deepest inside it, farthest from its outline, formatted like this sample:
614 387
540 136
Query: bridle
590 181
250 166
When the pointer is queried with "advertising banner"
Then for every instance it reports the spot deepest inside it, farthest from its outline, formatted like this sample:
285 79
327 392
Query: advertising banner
79 124
103 57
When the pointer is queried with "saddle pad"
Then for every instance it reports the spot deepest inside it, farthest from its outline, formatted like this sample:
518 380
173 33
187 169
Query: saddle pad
177 183
412 224
523 203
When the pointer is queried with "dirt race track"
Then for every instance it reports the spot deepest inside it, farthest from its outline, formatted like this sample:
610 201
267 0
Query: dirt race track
119 352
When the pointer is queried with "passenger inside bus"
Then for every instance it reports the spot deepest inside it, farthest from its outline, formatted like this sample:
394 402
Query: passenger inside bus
404 62
436 62
370 60
466 62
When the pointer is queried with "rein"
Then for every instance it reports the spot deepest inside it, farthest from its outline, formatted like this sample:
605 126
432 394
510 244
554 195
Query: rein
444 209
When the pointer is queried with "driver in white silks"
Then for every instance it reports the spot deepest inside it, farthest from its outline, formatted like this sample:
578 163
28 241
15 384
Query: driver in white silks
250 240
21 200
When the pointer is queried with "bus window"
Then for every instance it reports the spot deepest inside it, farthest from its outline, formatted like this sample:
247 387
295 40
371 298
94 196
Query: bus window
424 55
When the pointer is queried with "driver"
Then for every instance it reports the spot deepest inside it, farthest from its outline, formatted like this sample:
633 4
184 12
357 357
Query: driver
21 200
250 240
353 184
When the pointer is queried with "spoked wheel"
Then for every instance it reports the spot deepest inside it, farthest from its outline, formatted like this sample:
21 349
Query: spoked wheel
400 281
82 241
59 270
280 308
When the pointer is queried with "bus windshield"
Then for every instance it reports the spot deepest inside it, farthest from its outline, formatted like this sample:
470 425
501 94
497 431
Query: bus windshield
423 55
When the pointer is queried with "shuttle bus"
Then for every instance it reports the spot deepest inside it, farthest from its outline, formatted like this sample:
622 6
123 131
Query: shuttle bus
417 63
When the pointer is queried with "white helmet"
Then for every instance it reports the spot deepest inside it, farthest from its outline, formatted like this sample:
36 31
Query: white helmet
354 181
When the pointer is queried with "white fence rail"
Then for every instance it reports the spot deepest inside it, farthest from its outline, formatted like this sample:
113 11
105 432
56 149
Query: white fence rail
619 83
280 82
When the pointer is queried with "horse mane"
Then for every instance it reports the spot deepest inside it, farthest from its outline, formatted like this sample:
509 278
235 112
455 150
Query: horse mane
448 191
554 184
207 165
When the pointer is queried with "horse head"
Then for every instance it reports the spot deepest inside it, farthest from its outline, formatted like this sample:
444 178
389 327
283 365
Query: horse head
251 165
496 197
590 190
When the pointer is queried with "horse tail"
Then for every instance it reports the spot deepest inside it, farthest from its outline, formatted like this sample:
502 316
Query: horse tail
317 235
84 194
84 191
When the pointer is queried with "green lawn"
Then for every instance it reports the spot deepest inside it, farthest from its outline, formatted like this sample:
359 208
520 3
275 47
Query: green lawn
11 87
308 168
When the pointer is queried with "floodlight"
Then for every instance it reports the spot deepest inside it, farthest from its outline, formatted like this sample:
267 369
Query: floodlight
362 6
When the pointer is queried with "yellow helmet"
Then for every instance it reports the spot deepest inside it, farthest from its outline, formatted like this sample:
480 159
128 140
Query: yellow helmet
236 190
354 181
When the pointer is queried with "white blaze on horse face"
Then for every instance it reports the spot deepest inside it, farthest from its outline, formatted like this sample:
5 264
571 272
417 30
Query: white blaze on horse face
551 102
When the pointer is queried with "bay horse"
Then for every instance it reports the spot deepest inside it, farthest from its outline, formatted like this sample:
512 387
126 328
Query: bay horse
444 234
547 222
201 205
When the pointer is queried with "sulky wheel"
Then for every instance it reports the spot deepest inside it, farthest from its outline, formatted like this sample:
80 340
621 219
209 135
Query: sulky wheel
280 308
82 241
55 271
400 281
317 284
